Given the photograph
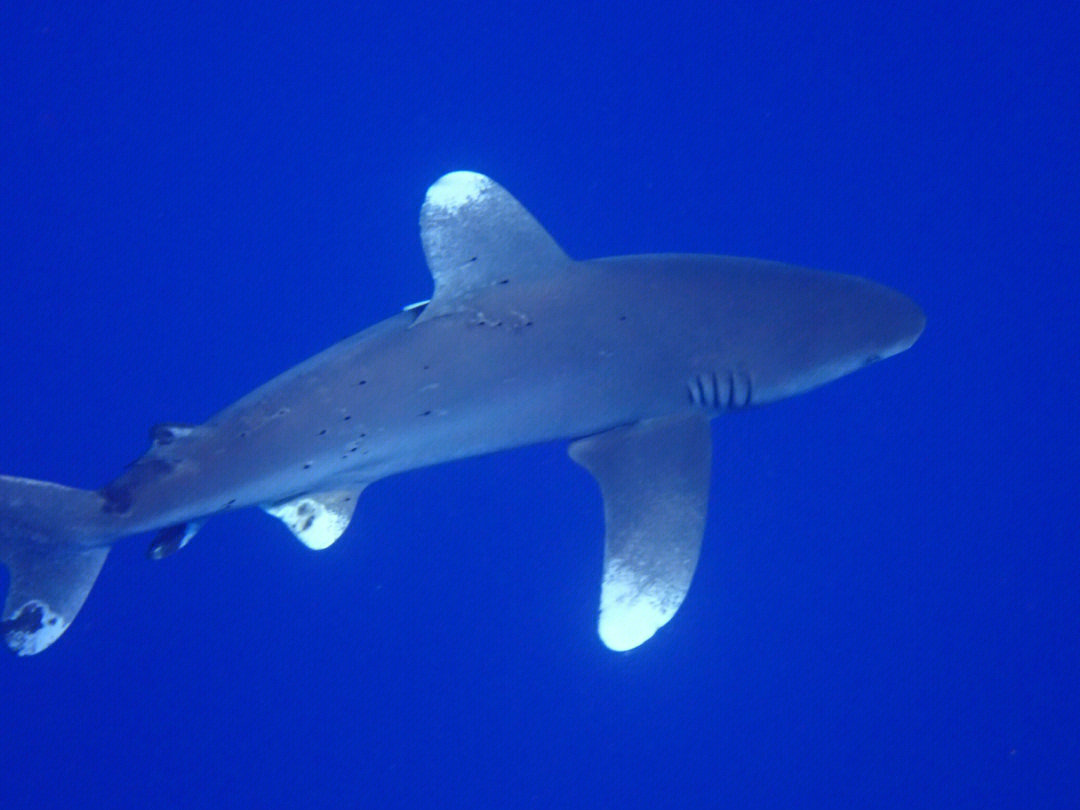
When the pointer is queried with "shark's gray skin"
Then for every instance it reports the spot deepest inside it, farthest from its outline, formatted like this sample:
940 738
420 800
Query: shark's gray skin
627 357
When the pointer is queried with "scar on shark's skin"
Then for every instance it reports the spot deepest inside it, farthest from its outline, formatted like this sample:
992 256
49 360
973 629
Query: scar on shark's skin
628 358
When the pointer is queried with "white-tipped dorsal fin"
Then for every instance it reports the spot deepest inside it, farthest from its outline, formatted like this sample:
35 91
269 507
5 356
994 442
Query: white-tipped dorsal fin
317 518
654 478
475 236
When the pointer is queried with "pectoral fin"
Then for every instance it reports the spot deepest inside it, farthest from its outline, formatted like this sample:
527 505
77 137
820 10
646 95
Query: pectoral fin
317 518
654 478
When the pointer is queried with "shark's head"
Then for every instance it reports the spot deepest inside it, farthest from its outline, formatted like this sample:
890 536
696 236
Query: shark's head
880 322
830 325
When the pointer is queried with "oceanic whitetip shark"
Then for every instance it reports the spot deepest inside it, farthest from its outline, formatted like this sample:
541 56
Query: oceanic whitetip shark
628 358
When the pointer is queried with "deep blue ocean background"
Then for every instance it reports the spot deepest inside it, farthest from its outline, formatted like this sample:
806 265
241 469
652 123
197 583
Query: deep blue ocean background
887 609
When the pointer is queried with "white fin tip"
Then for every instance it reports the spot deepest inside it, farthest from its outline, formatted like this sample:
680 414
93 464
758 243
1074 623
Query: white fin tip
456 189
30 640
629 615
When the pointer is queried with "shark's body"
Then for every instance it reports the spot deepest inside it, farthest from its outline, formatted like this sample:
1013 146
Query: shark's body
628 357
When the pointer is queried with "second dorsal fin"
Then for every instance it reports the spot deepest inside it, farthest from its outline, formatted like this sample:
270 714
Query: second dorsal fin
475 236
168 432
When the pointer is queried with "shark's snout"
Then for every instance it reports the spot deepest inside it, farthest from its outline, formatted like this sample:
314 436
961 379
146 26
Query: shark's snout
902 321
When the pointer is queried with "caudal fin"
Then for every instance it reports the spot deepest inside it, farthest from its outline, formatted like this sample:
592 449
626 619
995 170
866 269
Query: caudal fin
53 542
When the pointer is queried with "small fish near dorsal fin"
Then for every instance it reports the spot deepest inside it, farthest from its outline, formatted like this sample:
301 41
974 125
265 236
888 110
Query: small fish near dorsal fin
317 518
654 478
475 236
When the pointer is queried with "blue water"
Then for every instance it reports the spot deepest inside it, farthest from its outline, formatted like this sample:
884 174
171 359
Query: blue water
887 610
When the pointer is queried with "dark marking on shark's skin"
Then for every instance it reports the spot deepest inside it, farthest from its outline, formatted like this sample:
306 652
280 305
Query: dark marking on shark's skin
117 497
31 628
627 358
29 620
307 514
119 493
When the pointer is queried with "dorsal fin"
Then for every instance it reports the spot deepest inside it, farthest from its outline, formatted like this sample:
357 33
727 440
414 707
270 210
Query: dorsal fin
317 518
475 236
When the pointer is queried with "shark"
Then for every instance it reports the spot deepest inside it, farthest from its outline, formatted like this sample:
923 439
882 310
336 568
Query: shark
627 358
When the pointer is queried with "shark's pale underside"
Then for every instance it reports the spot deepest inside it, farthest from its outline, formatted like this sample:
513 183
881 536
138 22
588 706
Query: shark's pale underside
628 358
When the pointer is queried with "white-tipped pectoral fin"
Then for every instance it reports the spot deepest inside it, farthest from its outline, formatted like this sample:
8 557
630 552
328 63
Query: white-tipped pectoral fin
317 518
632 610
654 478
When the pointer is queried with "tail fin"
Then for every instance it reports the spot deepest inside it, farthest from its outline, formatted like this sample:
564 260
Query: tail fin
53 542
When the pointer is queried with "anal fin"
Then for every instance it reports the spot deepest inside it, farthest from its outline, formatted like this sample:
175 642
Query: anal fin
317 518
654 478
